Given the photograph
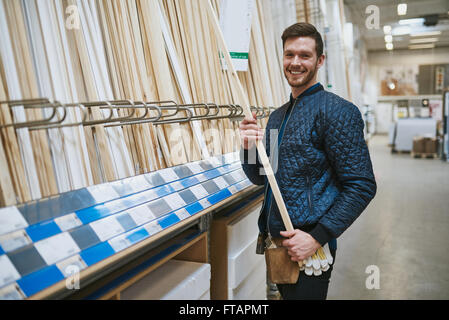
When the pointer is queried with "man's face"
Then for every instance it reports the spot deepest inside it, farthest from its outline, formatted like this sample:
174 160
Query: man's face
300 61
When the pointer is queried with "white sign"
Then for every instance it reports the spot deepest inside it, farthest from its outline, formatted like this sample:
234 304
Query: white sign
195 167
56 248
68 222
182 214
139 184
8 272
119 243
11 292
102 193
75 261
107 228
221 182
175 201
11 219
152 227
12 241
235 23
199 191
168 175
141 214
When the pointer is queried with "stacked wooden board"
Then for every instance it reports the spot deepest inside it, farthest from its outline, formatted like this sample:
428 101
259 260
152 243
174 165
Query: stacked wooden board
79 51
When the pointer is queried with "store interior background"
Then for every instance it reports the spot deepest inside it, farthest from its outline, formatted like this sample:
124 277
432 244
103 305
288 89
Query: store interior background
401 236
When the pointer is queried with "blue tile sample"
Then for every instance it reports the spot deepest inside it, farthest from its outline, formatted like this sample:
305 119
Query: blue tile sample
223 194
155 179
39 280
183 171
187 196
97 253
26 259
126 221
212 174
42 230
159 207
211 187
194 208
123 189
229 179
205 165
93 213
138 235
168 221
84 237
189 182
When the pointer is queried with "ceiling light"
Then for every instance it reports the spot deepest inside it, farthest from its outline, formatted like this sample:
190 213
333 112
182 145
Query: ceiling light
426 34
424 40
400 31
387 29
388 38
411 21
422 46
389 46
402 9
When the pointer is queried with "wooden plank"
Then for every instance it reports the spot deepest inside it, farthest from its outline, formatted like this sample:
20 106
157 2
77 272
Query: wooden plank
235 83
7 192
12 86
179 72
89 21
153 36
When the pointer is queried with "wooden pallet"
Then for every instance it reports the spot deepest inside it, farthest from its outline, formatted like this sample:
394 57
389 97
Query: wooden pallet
400 151
424 155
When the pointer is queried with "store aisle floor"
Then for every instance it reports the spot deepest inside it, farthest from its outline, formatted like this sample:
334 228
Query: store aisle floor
404 232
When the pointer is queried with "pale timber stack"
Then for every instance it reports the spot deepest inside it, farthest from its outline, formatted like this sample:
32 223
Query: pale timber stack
69 52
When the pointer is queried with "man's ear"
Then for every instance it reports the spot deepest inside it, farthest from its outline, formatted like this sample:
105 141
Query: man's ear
320 61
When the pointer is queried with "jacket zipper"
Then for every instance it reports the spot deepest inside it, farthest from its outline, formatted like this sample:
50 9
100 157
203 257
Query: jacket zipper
279 147
309 194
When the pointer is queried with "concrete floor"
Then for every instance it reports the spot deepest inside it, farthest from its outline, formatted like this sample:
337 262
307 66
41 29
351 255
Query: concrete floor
404 232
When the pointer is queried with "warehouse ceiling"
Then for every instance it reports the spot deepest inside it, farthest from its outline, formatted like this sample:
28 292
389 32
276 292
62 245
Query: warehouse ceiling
434 12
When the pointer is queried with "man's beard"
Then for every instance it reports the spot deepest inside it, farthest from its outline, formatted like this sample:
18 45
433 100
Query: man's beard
300 83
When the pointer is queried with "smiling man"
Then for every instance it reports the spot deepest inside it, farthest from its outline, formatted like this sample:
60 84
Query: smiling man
321 162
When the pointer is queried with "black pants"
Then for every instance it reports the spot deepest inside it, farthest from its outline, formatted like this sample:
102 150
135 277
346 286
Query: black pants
308 287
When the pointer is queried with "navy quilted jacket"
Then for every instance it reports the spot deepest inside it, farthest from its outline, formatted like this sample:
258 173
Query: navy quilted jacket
324 169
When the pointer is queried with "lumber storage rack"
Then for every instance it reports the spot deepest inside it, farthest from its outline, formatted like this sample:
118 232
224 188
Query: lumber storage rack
153 113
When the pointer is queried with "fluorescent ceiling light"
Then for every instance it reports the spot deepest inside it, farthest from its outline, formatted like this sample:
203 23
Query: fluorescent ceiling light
400 31
387 29
422 46
388 38
411 21
389 46
424 40
402 9
426 34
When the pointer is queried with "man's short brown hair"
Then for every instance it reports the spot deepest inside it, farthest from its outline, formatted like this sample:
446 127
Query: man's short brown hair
304 29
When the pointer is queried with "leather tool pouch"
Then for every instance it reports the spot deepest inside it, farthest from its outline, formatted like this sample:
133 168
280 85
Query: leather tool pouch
280 269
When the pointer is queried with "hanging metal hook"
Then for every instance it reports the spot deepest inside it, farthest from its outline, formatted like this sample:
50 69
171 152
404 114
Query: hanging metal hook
39 103
101 105
141 119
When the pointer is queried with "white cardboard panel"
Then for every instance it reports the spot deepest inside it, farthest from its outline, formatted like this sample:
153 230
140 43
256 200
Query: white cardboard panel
252 287
175 280
243 230
241 264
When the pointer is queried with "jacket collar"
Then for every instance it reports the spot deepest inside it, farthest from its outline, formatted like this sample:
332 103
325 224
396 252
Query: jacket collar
315 88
